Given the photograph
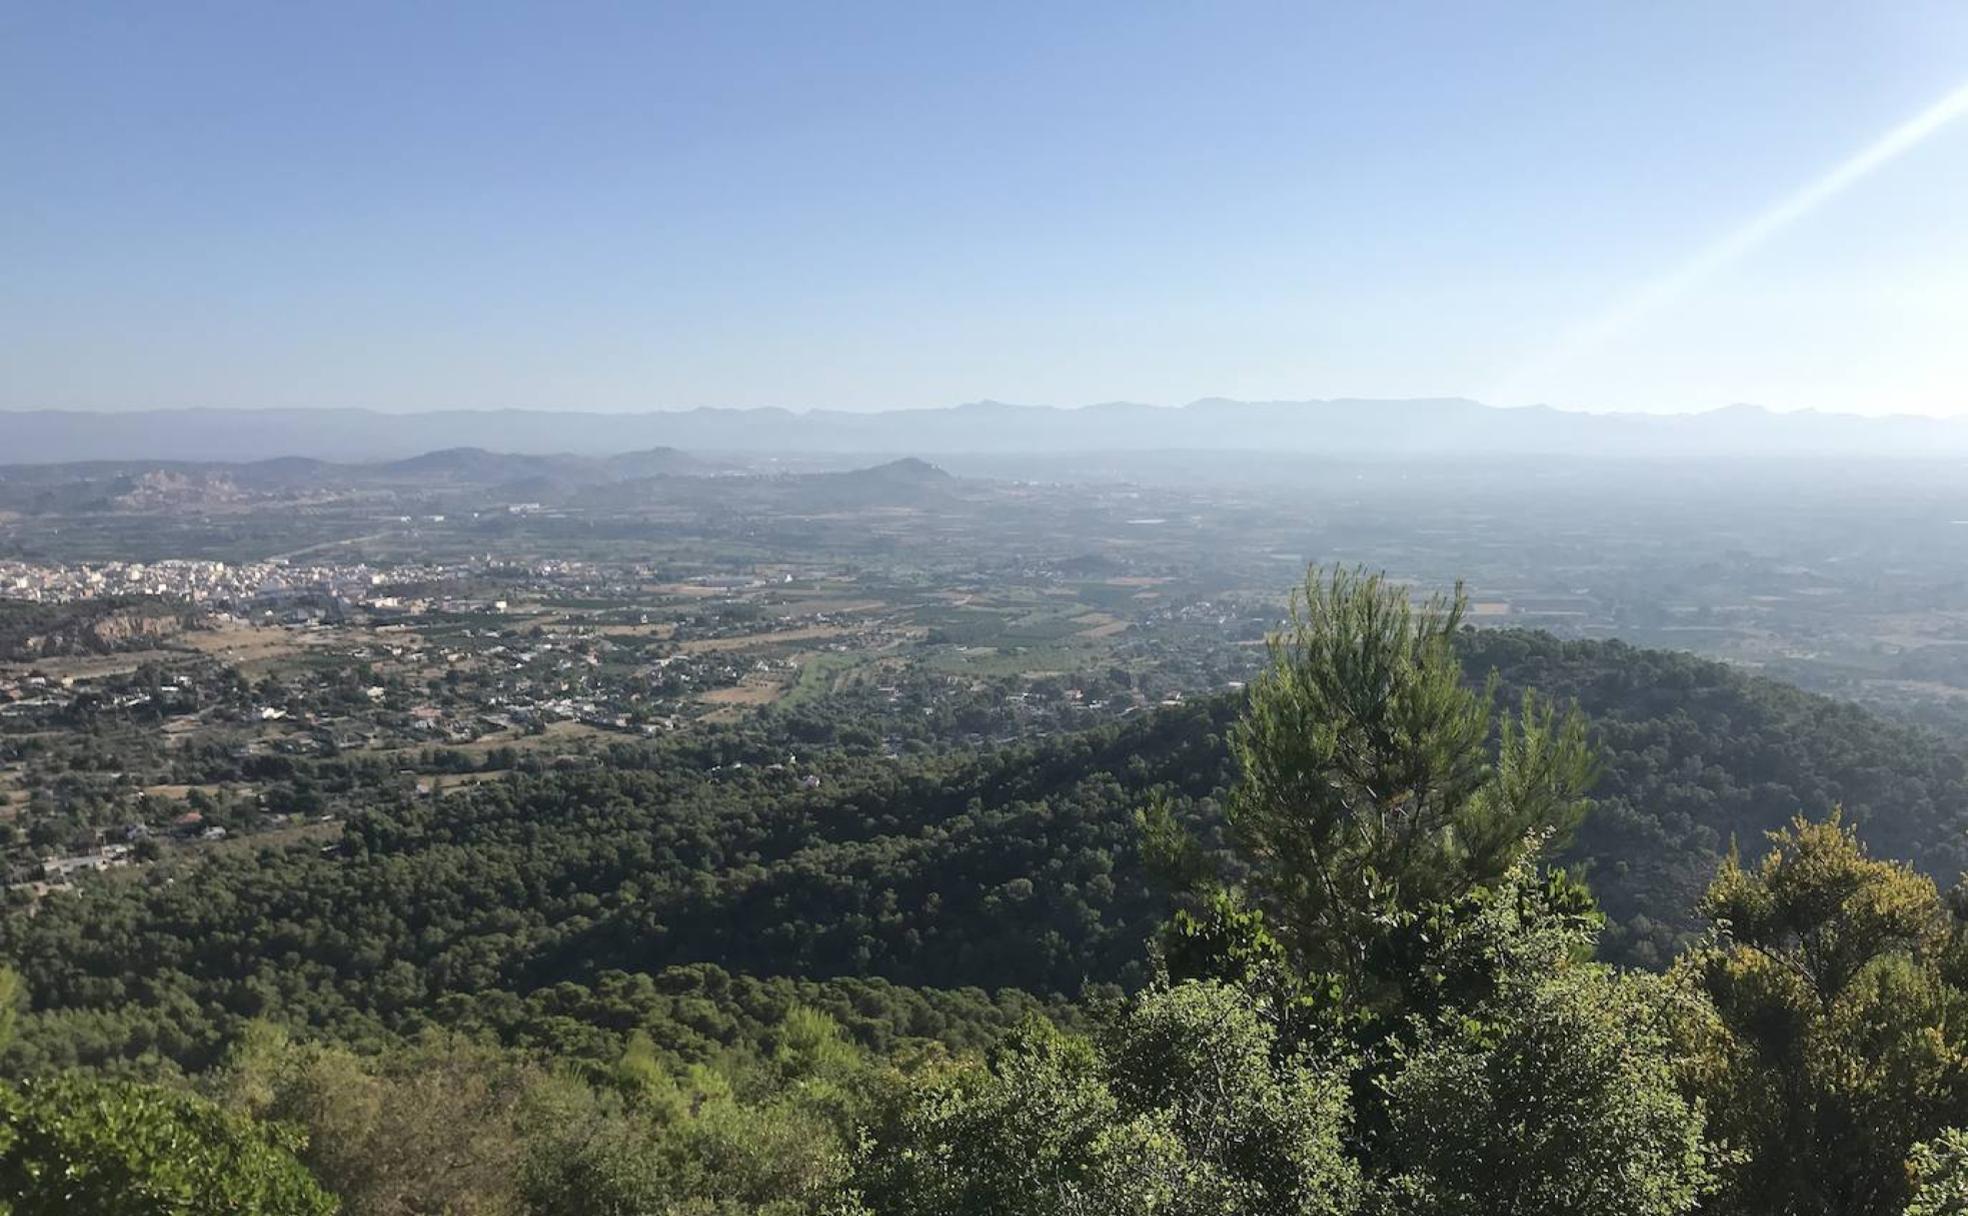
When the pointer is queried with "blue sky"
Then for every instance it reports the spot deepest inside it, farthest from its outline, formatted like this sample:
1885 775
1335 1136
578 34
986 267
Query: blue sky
872 206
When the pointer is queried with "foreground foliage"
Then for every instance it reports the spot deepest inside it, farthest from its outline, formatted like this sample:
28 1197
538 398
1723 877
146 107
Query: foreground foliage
1184 1105
71 1145
1835 1025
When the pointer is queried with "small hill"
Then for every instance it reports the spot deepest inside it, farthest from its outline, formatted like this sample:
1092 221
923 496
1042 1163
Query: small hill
474 465
909 469
909 472
659 462
908 482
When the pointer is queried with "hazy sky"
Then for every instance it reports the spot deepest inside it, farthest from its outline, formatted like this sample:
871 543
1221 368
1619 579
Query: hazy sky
408 206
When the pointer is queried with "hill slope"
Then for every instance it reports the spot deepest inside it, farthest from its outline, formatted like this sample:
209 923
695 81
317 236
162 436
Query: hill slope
1016 868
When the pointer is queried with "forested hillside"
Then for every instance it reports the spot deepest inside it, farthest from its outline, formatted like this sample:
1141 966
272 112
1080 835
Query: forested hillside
704 975
1018 868
1695 755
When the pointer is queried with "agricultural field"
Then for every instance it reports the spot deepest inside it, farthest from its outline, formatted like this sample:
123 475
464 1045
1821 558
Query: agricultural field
327 649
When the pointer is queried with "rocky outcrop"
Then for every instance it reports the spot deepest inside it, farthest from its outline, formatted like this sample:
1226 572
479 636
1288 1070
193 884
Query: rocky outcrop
44 631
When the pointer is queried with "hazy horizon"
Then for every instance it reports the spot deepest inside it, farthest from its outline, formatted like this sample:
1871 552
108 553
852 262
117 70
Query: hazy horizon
984 402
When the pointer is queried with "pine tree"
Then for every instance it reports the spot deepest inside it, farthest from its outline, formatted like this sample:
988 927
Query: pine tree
1369 787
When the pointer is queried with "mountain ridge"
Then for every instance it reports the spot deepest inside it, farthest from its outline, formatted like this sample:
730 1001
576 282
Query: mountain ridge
1400 428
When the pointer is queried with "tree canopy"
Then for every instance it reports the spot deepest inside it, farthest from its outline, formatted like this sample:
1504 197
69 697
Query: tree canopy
1335 946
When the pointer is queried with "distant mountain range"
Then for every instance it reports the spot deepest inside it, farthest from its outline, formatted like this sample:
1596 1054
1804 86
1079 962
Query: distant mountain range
1354 428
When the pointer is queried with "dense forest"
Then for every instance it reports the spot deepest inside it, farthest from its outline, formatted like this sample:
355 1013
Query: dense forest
1429 920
